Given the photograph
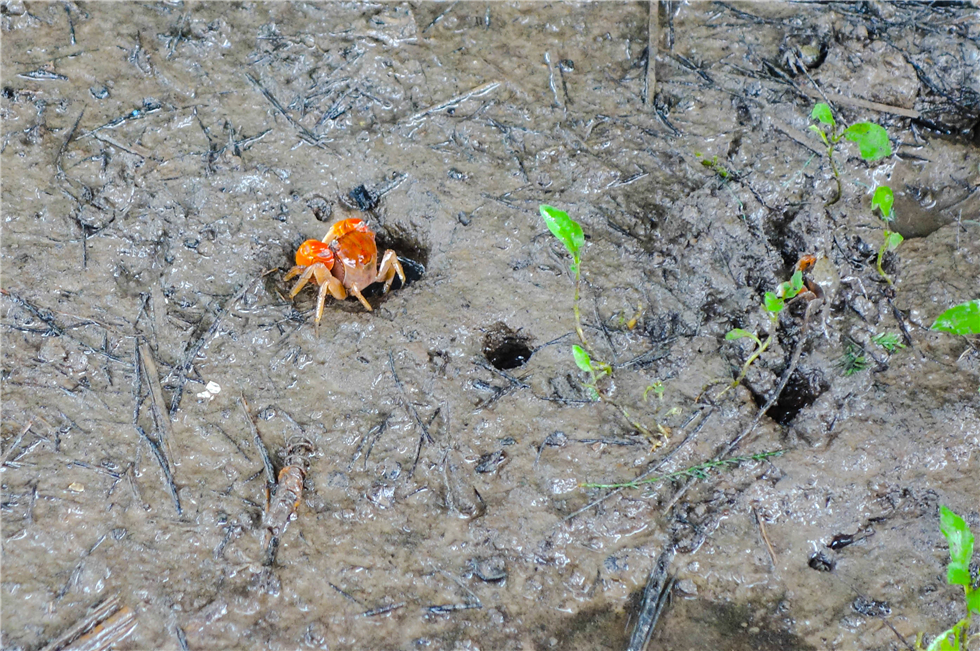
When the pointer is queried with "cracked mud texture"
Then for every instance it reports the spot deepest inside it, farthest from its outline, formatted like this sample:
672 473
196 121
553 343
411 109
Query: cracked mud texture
162 161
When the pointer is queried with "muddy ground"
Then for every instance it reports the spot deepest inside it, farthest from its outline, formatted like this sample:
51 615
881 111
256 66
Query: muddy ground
162 161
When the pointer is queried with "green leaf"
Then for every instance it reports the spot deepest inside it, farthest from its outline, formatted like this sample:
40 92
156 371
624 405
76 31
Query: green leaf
888 340
962 319
883 200
892 240
973 600
817 130
960 540
738 333
872 140
773 303
823 113
582 359
942 643
565 229
795 285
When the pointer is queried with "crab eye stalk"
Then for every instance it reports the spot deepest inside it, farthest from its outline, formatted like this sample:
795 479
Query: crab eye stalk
312 251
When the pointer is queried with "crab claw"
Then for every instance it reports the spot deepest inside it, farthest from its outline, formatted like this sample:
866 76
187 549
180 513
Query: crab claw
312 251
344 227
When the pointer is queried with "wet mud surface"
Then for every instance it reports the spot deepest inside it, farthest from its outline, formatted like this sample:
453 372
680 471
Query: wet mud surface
161 162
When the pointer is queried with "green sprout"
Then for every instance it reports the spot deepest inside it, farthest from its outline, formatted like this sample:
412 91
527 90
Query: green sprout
853 360
713 165
883 200
700 471
872 141
725 175
888 340
657 388
569 233
962 319
596 370
960 540
773 303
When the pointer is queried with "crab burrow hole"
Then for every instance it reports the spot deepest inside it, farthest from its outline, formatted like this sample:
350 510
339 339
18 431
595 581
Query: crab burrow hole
505 348
411 250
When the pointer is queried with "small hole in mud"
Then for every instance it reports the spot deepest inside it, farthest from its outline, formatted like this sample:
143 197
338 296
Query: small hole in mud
411 252
504 348
322 209
801 391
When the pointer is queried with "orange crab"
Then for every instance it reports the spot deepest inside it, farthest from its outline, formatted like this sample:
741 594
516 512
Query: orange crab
351 243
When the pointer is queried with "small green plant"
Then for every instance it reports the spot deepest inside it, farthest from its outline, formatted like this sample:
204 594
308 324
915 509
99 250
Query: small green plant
960 540
872 140
657 388
883 199
772 303
725 175
570 233
700 471
962 319
873 143
889 341
596 370
713 165
853 360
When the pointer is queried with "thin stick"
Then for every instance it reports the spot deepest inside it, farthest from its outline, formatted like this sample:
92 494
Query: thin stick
655 596
410 408
653 33
382 610
162 460
108 616
270 473
108 633
797 135
479 91
305 133
139 368
13 446
157 406
765 537
837 98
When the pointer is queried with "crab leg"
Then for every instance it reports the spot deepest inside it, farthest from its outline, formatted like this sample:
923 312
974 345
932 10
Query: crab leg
327 284
389 267
356 292
304 278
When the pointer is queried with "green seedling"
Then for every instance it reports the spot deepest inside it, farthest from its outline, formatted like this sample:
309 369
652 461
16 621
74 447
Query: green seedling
657 388
962 319
713 165
570 233
873 143
960 540
889 341
872 140
700 471
596 370
772 303
853 360
883 200
725 175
